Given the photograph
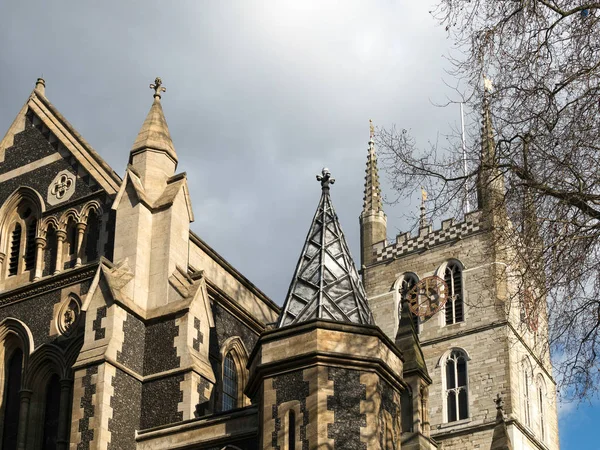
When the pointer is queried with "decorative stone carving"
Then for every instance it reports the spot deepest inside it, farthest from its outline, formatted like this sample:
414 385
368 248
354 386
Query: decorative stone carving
61 188
68 316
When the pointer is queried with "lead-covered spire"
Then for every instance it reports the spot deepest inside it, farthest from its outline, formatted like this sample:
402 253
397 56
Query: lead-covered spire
372 198
326 284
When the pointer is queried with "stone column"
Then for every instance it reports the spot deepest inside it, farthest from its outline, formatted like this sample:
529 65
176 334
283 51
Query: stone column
80 232
64 422
25 395
426 429
40 244
61 236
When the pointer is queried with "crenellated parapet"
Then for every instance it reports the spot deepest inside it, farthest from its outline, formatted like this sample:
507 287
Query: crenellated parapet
427 237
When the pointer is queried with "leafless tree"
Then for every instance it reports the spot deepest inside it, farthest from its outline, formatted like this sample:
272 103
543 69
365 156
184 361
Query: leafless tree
544 59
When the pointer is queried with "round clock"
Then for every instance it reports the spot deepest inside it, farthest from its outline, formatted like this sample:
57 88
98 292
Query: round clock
428 296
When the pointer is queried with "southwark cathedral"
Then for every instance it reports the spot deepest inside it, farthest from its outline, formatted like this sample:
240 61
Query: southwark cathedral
122 329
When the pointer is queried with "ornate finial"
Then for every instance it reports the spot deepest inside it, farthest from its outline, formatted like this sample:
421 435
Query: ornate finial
325 178
40 85
499 401
423 221
158 88
372 131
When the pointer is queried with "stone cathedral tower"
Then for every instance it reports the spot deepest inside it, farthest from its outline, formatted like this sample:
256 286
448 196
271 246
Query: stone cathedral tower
476 347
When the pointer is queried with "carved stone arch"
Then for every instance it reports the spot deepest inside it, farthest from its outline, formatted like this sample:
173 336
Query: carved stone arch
442 359
442 268
236 348
66 216
48 359
93 205
9 208
45 223
14 335
48 367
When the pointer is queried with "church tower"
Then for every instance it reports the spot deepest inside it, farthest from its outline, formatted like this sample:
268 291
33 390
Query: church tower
476 346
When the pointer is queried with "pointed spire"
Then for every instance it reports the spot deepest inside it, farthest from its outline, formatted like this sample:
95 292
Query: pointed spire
500 438
326 284
490 183
408 341
154 134
423 216
372 199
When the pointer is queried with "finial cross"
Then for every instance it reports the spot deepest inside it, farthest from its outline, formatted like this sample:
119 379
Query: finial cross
158 87
499 401
325 178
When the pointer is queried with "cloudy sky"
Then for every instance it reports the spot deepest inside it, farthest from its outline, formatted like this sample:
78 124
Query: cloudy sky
260 96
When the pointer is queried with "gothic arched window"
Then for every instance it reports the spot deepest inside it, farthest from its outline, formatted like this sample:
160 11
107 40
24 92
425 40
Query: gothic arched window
454 303
409 280
12 387
91 237
52 413
51 251
291 430
230 383
456 386
15 250
526 391
541 407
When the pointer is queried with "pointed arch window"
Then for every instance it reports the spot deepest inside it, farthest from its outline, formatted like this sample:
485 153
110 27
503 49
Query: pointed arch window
453 277
409 281
12 387
526 390
456 386
292 430
230 383
51 413
91 237
15 250
541 407
50 252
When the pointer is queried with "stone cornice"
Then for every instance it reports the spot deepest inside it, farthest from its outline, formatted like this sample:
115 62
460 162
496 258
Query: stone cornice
48 284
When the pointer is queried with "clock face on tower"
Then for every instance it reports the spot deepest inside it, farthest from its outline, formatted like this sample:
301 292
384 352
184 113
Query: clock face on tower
427 297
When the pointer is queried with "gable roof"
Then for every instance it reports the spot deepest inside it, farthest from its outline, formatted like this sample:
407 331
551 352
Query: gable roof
66 134
326 284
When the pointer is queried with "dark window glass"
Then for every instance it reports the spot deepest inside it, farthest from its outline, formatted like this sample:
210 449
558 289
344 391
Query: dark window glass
50 252
456 387
15 247
451 406
51 413
92 235
11 400
30 245
450 375
462 404
454 303
292 430
230 384
72 238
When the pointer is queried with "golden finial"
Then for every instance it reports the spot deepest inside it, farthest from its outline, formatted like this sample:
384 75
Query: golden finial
158 88
488 84
423 196
372 129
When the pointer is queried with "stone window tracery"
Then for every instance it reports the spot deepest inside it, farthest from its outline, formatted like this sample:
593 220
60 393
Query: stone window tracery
455 377
230 383
453 276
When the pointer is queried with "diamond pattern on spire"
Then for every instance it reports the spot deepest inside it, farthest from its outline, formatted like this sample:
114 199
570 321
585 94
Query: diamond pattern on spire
326 284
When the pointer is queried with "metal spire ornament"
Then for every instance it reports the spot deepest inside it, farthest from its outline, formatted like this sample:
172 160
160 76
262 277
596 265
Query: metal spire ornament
326 284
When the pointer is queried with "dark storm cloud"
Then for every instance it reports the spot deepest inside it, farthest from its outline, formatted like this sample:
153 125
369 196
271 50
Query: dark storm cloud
259 98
